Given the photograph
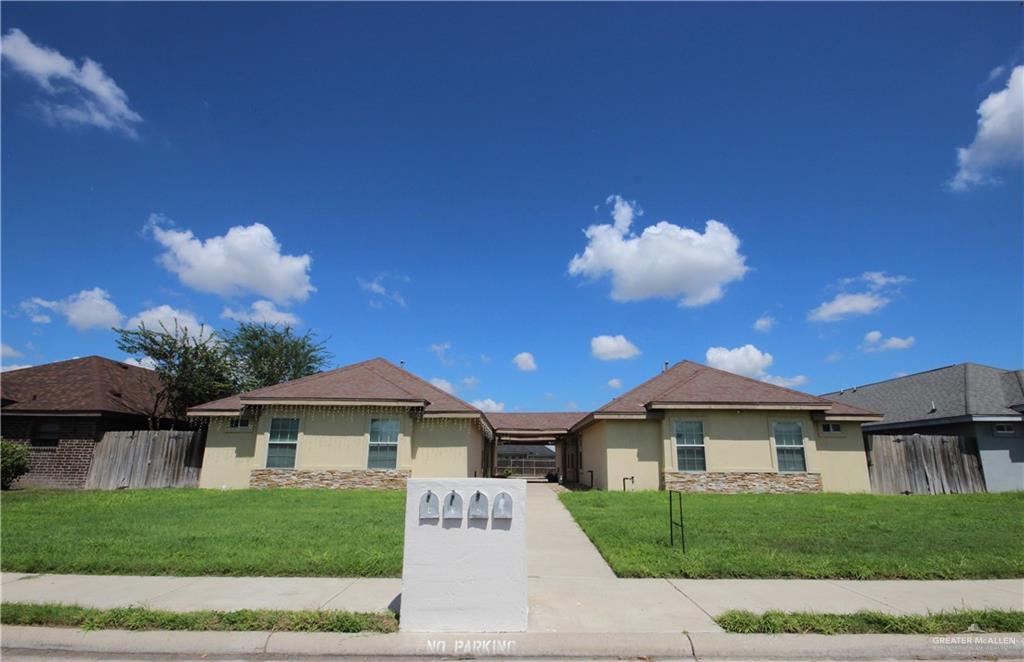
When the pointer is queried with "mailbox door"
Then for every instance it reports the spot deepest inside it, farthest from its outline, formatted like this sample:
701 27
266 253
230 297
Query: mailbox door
453 506
478 506
502 506
430 506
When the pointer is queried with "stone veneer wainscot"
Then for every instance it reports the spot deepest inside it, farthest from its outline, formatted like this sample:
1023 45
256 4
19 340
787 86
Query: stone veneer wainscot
739 482
333 479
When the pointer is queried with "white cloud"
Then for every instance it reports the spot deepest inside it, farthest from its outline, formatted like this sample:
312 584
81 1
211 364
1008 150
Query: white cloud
261 312
874 342
610 348
470 382
623 212
615 383
879 286
144 362
847 305
897 343
834 357
764 323
995 73
525 362
999 141
488 404
8 352
484 358
440 350
444 385
664 261
165 317
74 94
749 361
245 260
89 309
878 280
14 366
381 294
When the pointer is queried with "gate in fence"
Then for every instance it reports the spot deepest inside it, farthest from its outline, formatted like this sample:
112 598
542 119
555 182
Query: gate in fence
924 464
146 458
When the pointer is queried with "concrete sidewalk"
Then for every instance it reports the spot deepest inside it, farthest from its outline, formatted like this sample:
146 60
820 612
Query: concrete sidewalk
555 544
557 604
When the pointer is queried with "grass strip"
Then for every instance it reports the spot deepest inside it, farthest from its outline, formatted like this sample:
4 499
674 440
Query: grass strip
140 618
871 622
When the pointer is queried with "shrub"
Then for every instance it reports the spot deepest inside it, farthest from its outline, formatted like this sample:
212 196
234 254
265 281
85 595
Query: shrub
13 462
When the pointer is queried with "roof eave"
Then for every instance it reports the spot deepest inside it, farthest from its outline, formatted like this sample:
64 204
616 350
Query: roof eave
808 406
333 402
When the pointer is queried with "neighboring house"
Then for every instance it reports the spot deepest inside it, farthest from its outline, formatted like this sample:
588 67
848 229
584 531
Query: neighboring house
973 401
61 410
374 424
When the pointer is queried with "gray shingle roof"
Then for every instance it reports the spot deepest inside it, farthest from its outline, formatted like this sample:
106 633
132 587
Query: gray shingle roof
964 389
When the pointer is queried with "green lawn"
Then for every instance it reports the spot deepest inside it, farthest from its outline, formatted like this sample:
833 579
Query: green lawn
279 532
808 535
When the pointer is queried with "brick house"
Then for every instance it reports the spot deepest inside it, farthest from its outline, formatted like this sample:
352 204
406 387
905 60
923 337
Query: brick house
61 410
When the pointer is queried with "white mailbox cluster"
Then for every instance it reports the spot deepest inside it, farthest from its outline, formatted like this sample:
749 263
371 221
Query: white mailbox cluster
465 556
431 508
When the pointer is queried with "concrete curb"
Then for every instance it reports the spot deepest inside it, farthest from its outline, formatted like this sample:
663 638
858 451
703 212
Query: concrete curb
709 645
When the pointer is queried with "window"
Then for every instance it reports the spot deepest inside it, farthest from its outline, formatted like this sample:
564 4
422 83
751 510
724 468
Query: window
238 424
46 435
690 446
831 428
789 447
284 437
383 443
1004 428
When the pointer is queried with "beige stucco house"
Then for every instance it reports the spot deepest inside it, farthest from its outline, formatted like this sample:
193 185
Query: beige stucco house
691 427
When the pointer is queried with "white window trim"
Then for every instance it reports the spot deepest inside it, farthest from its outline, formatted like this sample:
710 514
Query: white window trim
776 447
1004 433
703 445
370 443
298 435
838 432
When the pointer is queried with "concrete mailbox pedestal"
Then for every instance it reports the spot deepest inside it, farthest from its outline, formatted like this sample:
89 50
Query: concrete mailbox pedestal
465 556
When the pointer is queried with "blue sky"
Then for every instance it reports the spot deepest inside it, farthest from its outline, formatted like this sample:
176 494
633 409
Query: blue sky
415 182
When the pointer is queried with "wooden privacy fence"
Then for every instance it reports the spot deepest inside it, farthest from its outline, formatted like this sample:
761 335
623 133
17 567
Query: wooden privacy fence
924 464
146 458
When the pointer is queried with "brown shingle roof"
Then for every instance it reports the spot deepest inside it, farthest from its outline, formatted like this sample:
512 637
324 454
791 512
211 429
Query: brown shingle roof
373 380
540 420
692 383
87 385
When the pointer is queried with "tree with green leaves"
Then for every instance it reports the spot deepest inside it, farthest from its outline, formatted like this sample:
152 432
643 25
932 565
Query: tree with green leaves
268 354
194 368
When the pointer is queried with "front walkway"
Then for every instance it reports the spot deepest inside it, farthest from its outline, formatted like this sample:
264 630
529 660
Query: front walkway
571 589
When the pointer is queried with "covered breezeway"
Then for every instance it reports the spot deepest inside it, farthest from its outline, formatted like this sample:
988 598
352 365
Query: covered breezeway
533 445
